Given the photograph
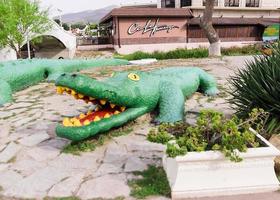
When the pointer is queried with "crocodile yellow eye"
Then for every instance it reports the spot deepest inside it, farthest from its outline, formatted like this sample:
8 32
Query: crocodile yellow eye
113 74
133 77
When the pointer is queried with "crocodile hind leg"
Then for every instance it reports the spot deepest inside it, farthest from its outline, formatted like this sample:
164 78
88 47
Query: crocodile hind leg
5 92
171 104
207 83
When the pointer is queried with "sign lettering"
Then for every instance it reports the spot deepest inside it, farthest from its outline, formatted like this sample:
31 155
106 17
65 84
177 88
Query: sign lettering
150 27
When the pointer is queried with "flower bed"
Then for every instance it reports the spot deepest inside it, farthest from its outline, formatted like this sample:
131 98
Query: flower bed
217 156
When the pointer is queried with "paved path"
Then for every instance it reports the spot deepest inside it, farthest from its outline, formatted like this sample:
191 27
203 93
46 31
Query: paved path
31 162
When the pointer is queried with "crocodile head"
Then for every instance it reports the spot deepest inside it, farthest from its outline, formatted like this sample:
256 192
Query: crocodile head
119 99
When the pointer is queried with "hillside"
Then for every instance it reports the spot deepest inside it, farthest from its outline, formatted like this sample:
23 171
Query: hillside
92 16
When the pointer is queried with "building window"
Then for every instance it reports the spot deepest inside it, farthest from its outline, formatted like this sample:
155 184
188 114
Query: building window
168 4
216 2
232 3
186 3
252 3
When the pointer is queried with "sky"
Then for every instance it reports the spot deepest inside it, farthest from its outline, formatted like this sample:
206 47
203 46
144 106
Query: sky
69 6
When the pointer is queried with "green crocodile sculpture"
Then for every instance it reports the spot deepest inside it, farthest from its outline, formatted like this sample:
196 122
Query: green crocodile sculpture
19 74
127 95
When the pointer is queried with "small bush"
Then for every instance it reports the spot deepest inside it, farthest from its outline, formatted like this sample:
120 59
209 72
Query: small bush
211 132
258 86
246 50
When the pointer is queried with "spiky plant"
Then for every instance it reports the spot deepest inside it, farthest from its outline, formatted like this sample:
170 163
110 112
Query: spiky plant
258 86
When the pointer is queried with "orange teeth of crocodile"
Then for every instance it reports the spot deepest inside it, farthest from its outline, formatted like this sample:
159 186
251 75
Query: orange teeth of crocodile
73 93
96 119
87 122
107 116
67 122
112 105
103 102
68 90
81 96
117 112
123 108
72 120
82 116
77 122
60 90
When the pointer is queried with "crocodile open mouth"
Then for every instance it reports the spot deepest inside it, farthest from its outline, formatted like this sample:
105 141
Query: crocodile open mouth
103 109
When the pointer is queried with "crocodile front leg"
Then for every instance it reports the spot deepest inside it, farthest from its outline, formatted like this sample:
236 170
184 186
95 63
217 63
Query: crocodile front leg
171 103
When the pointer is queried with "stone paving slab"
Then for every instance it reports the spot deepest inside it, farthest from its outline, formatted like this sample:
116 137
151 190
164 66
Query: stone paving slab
33 166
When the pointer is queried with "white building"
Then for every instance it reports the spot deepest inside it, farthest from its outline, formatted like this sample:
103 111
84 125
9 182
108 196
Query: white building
229 8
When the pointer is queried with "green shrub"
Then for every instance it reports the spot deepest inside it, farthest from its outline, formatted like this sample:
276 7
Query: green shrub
246 50
175 54
258 86
212 131
191 53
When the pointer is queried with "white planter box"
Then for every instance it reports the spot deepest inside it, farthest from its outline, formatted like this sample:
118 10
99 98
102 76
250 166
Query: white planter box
209 173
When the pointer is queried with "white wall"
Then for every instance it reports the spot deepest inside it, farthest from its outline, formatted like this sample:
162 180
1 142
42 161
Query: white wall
270 3
158 3
197 2
7 54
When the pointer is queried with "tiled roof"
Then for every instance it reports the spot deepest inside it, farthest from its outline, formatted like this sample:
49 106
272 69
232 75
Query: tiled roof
144 12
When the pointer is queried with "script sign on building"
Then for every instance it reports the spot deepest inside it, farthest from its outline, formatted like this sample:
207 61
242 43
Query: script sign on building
150 27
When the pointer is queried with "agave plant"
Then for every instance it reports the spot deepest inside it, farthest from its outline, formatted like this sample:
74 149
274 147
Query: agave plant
258 86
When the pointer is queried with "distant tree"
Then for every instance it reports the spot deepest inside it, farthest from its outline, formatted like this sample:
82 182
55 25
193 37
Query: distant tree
78 25
93 26
66 26
91 29
207 25
20 20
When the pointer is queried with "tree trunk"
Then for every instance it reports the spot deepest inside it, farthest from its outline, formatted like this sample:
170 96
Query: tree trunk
18 50
207 26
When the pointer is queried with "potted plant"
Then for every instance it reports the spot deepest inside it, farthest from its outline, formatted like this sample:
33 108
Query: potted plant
217 156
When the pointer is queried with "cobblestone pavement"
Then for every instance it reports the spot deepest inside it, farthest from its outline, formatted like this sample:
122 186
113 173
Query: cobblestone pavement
31 162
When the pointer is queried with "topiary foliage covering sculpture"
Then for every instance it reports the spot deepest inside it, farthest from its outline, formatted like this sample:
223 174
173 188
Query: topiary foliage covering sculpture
17 75
128 95
258 86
